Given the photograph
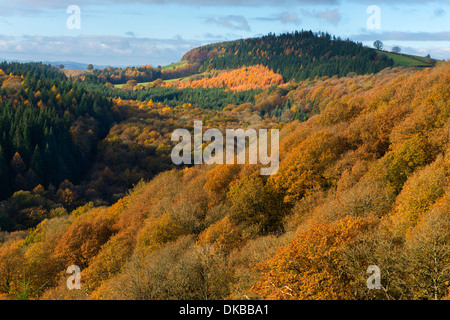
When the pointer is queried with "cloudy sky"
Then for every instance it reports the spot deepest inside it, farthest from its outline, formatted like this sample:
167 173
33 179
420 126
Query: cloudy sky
158 32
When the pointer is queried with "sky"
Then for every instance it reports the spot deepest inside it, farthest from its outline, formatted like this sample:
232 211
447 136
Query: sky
159 32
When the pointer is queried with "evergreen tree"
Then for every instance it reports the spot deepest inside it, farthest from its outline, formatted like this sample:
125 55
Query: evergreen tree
4 176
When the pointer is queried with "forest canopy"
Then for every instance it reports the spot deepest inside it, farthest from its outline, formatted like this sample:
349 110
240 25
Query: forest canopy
87 178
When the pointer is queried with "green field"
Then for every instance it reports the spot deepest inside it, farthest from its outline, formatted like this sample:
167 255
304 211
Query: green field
175 65
171 80
169 67
406 60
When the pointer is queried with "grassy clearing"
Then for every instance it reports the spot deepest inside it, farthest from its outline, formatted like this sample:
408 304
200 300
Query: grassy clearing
147 83
173 80
119 86
169 67
175 65
406 60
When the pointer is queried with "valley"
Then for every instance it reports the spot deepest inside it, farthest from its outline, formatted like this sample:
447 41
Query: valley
88 178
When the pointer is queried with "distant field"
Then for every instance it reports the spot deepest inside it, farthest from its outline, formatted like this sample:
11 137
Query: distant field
146 83
173 80
406 60
169 67
175 65
168 81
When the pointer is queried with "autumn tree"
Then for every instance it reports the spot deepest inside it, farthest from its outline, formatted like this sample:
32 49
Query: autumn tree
11 266
429 253
255 205
303 170
418 195
309 267
83 241
401 163
157 231
109 262
223 236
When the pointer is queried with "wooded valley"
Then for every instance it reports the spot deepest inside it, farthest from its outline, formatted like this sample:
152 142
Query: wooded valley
87 179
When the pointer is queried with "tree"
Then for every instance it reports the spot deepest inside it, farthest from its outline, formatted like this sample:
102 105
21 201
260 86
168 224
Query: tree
417 196
110 260
429 253
17 164
61 66
303 168
222 235
157 231
11 262
378 45
82 241
90 67
254 204
4 175
37 163
402 162
396 49
310 266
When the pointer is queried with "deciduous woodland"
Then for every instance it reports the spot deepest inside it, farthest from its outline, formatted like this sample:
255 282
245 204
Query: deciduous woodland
87 180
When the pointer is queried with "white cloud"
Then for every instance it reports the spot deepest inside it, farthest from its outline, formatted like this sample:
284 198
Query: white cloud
289 17
43 4
235 3
403 36
434 52
331 16
283 17
101 50
231 22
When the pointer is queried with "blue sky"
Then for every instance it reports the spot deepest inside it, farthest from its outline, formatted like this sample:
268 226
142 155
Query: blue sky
158 32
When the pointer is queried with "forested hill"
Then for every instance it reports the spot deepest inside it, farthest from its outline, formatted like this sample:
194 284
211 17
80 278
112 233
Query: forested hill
298 55
362 181
49 128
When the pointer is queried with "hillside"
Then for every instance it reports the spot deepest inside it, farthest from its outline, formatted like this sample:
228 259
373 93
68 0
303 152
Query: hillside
245 78
298 55
49 128
363 180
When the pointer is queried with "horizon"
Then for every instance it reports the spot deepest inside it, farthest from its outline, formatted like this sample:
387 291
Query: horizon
83 65
150 32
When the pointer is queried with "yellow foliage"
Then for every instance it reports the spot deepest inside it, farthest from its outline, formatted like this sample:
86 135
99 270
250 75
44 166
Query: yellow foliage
224 235
307 268
418 195
157 231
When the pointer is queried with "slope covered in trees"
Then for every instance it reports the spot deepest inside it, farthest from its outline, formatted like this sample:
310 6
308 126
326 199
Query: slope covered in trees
363 180
298 55
146 73
49 127
242 79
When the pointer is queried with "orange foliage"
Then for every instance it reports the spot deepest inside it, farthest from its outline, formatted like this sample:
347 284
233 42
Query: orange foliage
245 78
309 266
83 241
223 235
